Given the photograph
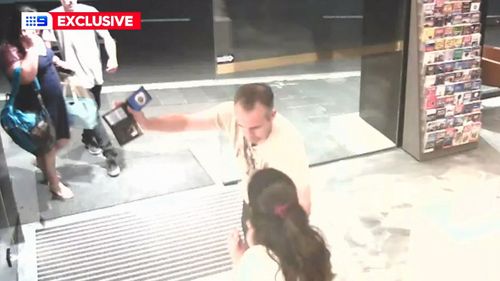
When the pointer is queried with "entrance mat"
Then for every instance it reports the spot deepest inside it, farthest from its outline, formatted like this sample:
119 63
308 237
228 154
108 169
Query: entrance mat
145 175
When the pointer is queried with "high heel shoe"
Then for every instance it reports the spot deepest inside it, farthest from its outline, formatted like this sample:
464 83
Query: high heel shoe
62 192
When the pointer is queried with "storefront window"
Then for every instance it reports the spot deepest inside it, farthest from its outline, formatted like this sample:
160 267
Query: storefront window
335 66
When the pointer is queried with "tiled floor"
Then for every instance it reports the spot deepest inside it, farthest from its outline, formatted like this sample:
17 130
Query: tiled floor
312 106
323 110
366 207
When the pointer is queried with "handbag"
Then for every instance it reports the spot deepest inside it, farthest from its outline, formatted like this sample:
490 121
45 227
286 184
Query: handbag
80 104
32 131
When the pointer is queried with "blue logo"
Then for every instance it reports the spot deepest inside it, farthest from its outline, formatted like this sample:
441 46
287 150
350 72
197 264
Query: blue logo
37 21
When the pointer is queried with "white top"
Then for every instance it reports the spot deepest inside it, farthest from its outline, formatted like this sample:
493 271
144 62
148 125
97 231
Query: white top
80 48
256 264
284 149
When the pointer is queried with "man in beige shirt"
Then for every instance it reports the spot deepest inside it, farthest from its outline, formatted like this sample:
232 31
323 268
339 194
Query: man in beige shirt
261 137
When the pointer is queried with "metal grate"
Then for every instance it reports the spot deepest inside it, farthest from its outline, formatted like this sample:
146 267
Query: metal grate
183 241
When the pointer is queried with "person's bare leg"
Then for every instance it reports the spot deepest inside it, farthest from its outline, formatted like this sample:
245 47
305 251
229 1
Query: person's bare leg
40 163
55 186
60 144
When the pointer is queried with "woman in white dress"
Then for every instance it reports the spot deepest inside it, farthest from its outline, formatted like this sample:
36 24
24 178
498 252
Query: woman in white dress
282 246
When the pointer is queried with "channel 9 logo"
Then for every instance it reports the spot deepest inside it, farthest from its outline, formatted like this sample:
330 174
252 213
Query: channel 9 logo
38 20
81 20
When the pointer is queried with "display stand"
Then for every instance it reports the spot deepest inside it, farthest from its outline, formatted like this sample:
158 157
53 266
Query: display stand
443 106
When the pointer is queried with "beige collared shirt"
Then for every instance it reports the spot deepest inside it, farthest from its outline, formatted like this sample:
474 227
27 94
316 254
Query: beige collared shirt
284 150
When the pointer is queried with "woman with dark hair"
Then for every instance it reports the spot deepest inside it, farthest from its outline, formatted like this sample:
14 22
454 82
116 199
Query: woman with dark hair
282 244
24 49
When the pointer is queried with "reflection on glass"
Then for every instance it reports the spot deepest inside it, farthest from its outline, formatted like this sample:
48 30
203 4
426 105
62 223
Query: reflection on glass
324 56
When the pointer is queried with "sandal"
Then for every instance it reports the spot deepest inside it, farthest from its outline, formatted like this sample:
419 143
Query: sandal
62 192
45 181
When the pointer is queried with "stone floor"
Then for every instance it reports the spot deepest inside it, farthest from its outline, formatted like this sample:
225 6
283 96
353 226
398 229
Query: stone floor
323 110
366 206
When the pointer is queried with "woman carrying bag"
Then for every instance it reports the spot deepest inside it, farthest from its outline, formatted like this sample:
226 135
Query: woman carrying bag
24 50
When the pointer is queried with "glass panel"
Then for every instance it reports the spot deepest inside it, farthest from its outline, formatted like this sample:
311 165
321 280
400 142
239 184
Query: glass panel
337 66
491 83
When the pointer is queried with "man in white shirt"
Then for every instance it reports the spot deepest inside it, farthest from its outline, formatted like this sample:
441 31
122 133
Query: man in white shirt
80 52
261 137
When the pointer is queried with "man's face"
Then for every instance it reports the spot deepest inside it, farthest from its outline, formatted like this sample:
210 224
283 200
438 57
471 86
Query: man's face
68 5
256 123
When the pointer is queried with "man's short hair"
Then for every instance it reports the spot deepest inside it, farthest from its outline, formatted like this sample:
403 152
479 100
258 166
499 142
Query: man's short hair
250 94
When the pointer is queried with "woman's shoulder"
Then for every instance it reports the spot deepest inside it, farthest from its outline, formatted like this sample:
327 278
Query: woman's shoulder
256 250
258 263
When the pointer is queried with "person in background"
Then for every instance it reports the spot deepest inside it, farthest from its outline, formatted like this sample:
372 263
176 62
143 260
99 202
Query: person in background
282 244
25 49
80 52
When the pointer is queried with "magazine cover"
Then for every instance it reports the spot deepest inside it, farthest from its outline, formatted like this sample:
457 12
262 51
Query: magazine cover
440 90
448 31
459 104
448 138
448 55
430 98
428 9
458 30
431 115
474 135
475 7
466 7
466 134
439 143
457 138
439 32
429 57
467 30
427 34
430 81
441 113
475 17
457 42
429 142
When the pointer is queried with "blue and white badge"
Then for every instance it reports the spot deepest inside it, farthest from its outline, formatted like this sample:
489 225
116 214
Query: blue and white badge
36 20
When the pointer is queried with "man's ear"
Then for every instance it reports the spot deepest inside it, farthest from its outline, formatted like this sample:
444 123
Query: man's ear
273 113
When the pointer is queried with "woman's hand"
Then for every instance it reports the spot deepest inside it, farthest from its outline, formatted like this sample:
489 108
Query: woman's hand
27 40
250 234
236 246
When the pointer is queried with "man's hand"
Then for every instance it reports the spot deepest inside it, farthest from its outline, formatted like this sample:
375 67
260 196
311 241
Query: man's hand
139 116
63 64
111 66
236 246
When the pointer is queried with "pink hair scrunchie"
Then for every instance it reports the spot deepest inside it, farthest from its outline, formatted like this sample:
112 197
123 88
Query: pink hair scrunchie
281 210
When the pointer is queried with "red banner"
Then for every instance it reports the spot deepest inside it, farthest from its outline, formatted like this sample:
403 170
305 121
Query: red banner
97 20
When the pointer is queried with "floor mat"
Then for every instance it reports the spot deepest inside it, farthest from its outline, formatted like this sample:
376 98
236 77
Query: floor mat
182 236
145 175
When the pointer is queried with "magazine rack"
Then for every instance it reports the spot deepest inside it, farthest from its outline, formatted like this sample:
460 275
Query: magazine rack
443 106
